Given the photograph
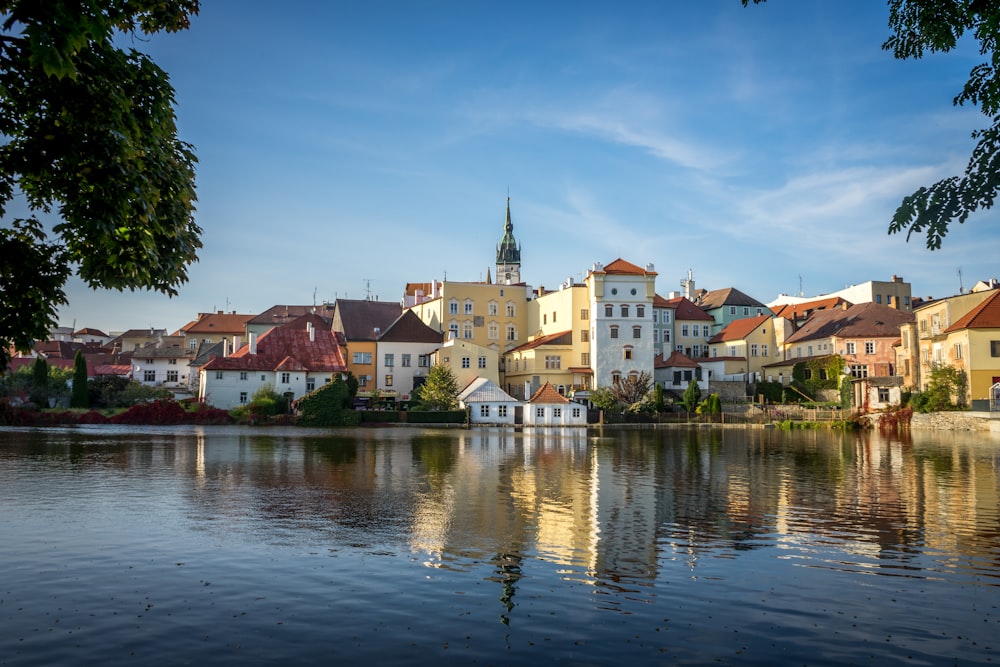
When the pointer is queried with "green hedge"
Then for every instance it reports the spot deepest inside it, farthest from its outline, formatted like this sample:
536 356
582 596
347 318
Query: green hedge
379 416
436 417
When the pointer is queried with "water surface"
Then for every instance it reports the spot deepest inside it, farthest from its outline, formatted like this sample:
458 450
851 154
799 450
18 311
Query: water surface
402 546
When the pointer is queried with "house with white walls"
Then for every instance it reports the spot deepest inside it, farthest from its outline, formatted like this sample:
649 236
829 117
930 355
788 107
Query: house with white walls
547 407
487 403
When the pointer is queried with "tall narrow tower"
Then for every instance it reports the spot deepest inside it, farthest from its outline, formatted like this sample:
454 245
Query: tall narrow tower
508 255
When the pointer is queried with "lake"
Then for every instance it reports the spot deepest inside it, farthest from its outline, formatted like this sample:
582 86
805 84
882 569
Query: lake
407 546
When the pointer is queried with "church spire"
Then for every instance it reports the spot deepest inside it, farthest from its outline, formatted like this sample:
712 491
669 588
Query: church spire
508 254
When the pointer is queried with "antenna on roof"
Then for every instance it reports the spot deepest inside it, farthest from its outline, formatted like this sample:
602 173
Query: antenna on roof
801 293
314 296
368 289
961 288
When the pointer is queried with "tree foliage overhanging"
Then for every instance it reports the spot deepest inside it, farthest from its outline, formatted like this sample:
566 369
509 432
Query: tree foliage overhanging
90 139
932 26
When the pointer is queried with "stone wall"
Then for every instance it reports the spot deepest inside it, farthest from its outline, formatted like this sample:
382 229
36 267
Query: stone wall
728 391
952 421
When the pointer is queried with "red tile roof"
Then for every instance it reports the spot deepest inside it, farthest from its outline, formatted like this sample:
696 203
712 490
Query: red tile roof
798 311
214 323
620 266
984 316
548 394
739 329
289 348
685 309
675 360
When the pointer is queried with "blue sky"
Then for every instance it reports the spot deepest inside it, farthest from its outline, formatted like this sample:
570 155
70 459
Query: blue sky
347 147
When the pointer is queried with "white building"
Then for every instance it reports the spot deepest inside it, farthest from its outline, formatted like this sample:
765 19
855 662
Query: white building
621 308
548 407
487 403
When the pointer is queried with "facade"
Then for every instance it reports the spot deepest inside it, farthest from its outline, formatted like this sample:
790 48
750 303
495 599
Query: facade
547 407
729 304
621 314
165 367
128 341
864 335
279 315
362 322
692 328
973 344
675 373
924 341
545 359
404 355
293 359
215 327
487 403
468 361
895 293
753 339
798 313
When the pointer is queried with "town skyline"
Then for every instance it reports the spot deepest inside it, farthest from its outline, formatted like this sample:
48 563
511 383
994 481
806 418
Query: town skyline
762 148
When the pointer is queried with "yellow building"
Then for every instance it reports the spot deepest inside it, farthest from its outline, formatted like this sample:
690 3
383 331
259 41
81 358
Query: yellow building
752 339
972 344
468 361
924 343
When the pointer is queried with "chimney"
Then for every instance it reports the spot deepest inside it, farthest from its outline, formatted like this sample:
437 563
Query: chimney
253 343
312 331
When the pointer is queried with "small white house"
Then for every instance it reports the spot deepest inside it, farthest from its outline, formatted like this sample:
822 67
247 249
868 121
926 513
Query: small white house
487 403
547 407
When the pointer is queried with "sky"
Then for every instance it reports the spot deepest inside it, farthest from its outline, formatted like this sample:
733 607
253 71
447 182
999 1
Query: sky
346 149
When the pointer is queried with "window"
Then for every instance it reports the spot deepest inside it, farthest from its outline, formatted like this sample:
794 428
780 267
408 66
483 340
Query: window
656 335
859 370
624 310
869 347
193 343
753 349
883 394
584 314
706 331
557 412
545 318
423 360
388 380
666 335
906 301
995 348
362 357
878 298
484 410
501 411
243 375
636 332
732 350
452 330
553 317
614 331
171 362
362 380
468 307
482 362
263 378
171 376
732 310
666 317
492 308
685 331
851 348
310 384
467 330
286 378
553 362
492 331
390 360
585 358
627 352
616 377
746 311
510 309
511 332
243 398
405 361
696 350
763 350
453 307
149 376
609 311
539 412
584 336
466 362
576 412
640 311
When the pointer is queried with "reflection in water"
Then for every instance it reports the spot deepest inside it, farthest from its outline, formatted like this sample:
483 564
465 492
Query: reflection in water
763 523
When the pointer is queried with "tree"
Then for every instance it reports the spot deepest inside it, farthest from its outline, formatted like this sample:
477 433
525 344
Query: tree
692 396
440 391
931 26
945 389
81 396
632 389
40 382
89 135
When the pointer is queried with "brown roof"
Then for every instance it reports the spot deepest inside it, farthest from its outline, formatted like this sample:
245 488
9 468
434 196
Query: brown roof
984 316
561 338
363 319
739 329
214 323
88 331
283 314
408 328
685 309
548 394
729 296
675 360
863 320
798 311
289 348
620 266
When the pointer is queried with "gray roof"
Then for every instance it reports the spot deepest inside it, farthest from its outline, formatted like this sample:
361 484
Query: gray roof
483 390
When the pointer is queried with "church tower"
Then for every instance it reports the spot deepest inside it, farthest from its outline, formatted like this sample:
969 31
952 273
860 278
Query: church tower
508 255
